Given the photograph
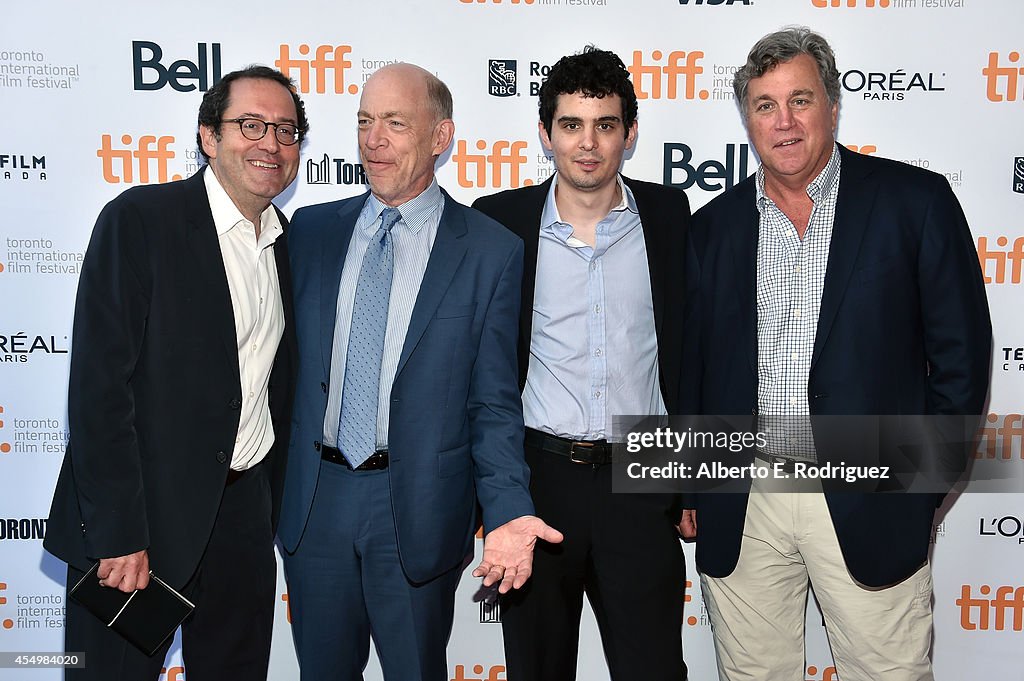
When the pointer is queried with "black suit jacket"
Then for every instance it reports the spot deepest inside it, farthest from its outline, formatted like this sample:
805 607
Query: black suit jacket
154 391
903 329
665 219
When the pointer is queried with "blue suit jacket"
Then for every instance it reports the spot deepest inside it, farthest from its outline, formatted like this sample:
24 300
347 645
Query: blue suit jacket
903 329
456 429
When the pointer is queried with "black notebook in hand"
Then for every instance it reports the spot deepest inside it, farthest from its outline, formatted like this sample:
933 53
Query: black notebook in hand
145 617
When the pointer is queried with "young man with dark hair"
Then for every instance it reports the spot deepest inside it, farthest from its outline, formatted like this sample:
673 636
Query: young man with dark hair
600 335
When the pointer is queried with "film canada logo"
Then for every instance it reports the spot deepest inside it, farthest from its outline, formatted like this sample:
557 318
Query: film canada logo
998 608
23 166
183 75
319 68
1018 174
497 164
501 77
667 76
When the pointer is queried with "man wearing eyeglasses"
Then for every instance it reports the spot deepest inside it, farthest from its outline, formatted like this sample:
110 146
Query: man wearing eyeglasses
180 393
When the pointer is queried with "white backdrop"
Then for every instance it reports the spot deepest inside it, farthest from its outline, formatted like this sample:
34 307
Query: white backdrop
96 98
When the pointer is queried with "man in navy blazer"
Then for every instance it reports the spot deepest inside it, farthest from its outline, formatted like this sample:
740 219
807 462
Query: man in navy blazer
829 283
179 398
377 540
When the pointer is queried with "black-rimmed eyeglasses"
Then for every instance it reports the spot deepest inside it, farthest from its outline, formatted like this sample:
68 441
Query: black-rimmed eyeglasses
255 129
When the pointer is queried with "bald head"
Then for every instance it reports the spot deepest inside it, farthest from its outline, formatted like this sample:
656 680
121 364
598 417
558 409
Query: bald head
424 85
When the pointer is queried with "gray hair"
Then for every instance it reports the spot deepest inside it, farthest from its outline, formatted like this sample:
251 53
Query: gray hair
783 46
439 97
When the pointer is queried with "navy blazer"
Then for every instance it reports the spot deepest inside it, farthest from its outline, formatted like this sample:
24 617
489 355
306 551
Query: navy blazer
456 423
154 391
903 329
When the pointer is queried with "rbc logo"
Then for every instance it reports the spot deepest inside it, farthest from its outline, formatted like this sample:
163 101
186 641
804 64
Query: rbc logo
205 70
1018 174
501 77
679 155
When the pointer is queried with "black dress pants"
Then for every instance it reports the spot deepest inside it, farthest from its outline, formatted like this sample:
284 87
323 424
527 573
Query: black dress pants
623 551
227 636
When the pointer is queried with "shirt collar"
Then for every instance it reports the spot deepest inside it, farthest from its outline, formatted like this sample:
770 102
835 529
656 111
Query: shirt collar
226 215
415 212
551 221
819 187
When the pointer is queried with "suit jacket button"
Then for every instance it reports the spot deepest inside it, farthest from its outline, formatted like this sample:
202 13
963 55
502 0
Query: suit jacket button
323 386
316 445
235 403
221 457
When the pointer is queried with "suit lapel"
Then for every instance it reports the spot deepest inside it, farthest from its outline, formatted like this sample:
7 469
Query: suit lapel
447 252
853 208
744 265
204 250
334 241
654 230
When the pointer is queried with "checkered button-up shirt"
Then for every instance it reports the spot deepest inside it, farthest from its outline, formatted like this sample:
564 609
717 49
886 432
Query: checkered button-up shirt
790 278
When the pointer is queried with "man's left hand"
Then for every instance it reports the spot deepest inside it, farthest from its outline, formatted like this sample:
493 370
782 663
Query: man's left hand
508 551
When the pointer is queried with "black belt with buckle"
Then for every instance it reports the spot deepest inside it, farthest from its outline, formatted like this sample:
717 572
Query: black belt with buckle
780 463
376 462
594 452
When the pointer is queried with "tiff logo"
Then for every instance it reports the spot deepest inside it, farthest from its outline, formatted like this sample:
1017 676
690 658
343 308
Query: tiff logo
124 168
473 167
998 258
1001 439
328 59
983 613
1002 82
494 673
681 66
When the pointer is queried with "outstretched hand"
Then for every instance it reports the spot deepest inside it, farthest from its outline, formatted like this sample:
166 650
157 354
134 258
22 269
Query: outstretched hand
508 551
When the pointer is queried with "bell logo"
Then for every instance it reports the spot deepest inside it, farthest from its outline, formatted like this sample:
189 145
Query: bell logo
327 58
205 71
473 167
992 438
680 65
1003 84
983 613
677 157
495 673
144 153
998 257
850 3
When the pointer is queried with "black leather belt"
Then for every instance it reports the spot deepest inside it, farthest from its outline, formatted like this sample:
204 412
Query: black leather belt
780 463
377 461
594 452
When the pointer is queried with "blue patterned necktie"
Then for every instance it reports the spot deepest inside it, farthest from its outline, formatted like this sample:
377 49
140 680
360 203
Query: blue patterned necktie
357 428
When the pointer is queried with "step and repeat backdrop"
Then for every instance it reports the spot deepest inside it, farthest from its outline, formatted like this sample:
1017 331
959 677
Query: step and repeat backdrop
99 98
